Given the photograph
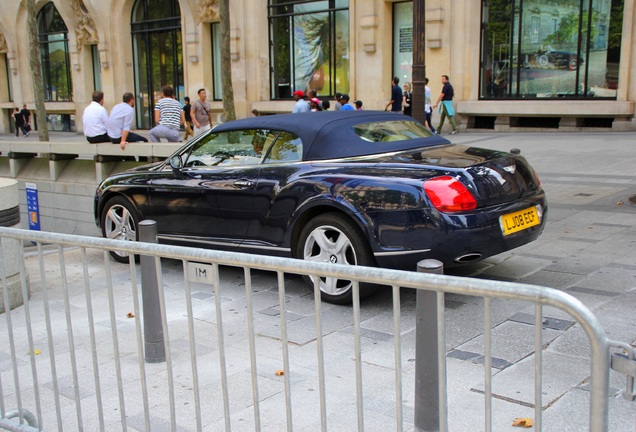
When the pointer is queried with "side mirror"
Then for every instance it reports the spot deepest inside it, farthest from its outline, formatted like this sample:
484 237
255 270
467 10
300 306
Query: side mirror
176 163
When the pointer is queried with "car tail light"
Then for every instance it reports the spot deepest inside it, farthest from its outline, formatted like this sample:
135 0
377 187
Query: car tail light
537 177
449 195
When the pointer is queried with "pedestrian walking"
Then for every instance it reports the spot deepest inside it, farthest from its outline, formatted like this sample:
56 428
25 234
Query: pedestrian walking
446 107
202 113
18 118
396 97
187 113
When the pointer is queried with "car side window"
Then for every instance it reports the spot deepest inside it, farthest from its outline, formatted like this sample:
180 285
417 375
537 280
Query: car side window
240 147
287 148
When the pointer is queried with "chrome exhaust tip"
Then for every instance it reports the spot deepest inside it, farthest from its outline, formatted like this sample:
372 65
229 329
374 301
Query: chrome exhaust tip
469 257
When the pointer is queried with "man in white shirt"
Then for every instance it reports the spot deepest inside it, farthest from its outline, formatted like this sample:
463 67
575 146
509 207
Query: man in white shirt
121 117
95 119
301 104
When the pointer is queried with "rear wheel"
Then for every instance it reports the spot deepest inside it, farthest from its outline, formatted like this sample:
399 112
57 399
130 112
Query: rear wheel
120 221
331 238
573 64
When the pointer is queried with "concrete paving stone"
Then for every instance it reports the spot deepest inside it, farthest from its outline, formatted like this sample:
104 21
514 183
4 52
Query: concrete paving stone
557 214
569 413
559 248
561 373
551 279
547 322
511 341
466 323
137 422
622 279
578 264
517 267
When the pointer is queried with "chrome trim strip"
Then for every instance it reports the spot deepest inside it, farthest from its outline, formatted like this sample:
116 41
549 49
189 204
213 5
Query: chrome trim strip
219 243
252 246
395 253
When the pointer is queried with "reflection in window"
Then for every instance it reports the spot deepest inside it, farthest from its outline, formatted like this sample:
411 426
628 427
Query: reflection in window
242 147
217 87
386 131
403 41
54 55
287 148
97 68
309 47
550 49
158 57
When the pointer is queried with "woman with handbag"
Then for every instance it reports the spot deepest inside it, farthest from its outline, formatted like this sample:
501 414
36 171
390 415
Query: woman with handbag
406 100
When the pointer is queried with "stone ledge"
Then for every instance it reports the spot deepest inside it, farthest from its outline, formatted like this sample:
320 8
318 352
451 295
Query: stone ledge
546 108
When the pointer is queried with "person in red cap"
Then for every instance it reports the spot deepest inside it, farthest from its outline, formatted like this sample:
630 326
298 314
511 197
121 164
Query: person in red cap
301 104
315 104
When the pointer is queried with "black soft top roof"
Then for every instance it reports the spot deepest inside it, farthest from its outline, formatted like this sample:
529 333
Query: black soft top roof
330 135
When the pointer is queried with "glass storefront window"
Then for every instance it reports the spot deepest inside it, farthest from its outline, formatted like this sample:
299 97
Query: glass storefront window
97 68
309 47
157 53
56 71
403 41
217 86
550 48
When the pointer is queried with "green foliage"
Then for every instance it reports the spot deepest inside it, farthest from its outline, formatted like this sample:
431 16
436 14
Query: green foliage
568 31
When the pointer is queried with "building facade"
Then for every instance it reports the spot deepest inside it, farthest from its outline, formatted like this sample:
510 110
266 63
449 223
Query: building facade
558 64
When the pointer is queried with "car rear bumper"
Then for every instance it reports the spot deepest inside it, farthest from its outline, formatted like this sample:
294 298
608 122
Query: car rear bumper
453 239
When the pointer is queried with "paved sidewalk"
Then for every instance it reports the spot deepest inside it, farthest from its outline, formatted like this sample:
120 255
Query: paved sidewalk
588 250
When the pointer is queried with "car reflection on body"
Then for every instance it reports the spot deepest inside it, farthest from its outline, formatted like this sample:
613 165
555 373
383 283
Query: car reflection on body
360 188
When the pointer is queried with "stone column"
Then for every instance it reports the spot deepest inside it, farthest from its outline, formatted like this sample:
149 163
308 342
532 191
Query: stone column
11 256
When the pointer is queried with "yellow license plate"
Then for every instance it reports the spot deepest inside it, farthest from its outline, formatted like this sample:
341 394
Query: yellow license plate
518 221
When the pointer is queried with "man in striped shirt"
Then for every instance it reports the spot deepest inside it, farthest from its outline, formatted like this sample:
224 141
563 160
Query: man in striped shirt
168 117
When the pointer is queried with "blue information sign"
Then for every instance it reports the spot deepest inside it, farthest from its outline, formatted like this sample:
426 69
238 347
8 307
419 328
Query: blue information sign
33 208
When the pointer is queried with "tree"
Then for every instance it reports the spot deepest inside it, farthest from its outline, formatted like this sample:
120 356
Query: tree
36 71
226 62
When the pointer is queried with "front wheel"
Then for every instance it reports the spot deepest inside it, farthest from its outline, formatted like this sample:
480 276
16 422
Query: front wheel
120 221
331 238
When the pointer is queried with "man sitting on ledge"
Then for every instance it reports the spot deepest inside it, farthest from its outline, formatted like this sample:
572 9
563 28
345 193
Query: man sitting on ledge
121 117
95 119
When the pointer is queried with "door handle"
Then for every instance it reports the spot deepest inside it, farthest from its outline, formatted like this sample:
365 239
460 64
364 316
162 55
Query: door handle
244 183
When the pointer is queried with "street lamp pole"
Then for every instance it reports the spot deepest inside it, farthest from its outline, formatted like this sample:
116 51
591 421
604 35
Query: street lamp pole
419 68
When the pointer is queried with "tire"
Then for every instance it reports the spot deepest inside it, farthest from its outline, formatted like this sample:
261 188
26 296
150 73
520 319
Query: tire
120 221
573 64
331 237
543 60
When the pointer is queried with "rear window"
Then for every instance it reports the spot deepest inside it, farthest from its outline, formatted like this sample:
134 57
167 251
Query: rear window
385 131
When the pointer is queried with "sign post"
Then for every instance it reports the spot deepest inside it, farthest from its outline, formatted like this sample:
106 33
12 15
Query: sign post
33 207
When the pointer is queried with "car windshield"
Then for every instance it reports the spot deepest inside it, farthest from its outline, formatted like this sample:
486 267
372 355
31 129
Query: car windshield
385 131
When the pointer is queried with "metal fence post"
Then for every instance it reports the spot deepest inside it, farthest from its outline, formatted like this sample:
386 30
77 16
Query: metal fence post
155 351
427 399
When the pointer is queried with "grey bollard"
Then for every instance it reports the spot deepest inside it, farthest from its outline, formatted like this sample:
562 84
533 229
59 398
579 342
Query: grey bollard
155 351
427 383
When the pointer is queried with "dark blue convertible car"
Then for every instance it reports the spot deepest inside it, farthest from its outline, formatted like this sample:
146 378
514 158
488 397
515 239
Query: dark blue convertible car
360 188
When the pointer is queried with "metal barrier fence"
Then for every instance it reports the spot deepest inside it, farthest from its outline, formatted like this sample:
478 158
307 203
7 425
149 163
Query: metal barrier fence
74 354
